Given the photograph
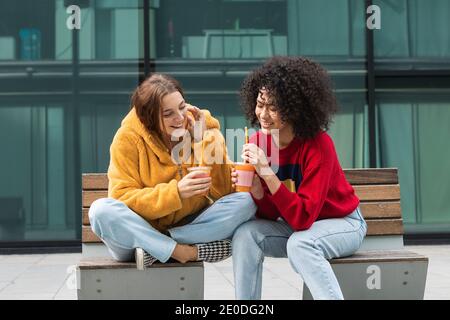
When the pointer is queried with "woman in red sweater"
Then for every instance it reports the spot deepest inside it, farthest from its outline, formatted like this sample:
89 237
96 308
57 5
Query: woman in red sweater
307 211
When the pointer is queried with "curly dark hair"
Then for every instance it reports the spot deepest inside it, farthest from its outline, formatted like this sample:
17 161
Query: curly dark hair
301 90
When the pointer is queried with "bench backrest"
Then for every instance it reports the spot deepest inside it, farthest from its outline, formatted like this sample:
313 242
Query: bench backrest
378 190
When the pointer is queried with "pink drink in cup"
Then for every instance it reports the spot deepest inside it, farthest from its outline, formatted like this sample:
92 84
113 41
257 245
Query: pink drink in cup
206 172
245 173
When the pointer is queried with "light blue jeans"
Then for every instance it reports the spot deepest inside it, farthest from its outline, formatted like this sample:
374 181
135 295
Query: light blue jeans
122 230
308 252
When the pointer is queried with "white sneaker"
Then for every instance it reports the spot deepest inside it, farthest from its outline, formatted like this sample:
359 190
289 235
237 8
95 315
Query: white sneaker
143 259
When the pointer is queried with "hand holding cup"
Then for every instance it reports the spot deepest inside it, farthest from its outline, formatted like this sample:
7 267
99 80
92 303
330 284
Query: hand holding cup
196 182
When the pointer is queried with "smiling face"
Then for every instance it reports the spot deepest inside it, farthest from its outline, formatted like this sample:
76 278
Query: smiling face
267 113
173 116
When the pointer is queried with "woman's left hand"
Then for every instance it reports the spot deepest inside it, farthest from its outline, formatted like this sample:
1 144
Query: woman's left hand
251 153
196 126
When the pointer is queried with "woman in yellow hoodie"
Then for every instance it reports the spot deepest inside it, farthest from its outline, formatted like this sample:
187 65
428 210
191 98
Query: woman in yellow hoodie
155 209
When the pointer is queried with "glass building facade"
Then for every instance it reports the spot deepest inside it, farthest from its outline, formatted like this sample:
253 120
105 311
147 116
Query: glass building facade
63 93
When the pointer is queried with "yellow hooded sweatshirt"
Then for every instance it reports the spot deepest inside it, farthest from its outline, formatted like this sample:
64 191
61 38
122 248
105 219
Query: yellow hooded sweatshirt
142 174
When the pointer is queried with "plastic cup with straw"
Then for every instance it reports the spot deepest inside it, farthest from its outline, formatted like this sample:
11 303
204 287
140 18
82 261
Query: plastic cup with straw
245 172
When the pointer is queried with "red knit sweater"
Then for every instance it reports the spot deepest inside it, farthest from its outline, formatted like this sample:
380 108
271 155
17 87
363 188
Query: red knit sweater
313 185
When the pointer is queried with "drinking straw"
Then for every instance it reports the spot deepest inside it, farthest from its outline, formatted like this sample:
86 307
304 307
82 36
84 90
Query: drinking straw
246 135
246 139
201 153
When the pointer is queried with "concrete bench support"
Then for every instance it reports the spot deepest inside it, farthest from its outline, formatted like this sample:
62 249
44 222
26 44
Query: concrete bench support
100 279
380 275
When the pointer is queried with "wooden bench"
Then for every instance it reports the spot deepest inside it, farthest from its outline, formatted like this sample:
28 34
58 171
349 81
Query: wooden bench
381 269
101 277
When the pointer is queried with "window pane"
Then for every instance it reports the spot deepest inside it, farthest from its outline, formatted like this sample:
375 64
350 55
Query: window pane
28 30
413 29
413 131
330 28
36 174
349 131
99 120
104 32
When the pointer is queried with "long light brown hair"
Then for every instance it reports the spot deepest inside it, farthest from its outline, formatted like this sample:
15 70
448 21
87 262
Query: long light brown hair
147 100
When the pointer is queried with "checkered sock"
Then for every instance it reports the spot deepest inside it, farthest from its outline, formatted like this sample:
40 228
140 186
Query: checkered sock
214 251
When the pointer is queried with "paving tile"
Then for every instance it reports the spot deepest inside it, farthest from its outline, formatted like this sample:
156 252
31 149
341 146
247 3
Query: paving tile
22 259
26 296
72 296
219 294
3 284
295 295
217 281
212 270
60 259
46 272
32 286
65 293
9 272
281 297
437 294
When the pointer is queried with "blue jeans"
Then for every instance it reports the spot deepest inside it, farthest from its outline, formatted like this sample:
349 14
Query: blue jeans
307 251
122 230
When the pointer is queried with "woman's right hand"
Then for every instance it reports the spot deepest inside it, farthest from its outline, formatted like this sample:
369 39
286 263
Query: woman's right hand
193 184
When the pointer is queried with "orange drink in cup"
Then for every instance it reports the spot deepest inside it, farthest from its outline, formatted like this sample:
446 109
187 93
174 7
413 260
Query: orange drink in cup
245 173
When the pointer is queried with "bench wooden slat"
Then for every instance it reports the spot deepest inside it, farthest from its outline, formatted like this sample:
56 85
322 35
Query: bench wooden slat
99 181
85 220
383 227
374 228
381 256
365 193
381 210
91 195
378 192
94 181
371 176
88 236
370 210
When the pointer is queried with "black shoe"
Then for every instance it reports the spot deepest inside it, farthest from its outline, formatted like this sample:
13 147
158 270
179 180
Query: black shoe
214 251
143 259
